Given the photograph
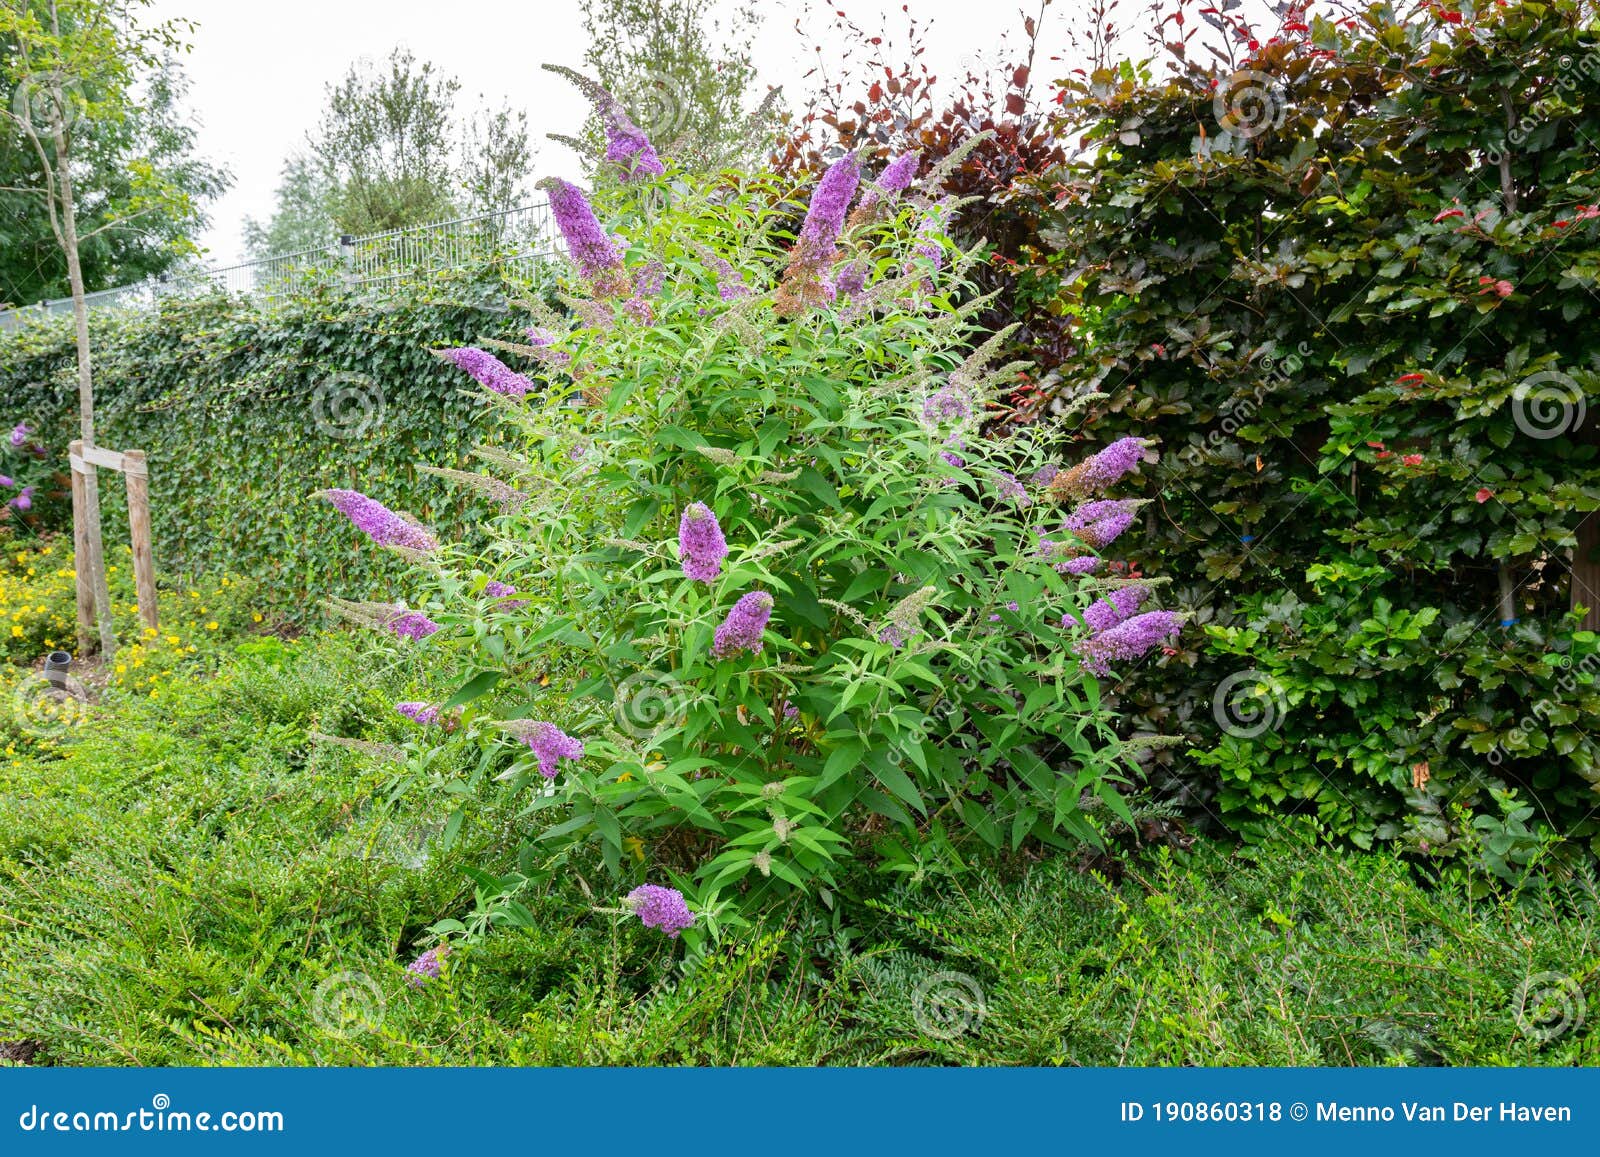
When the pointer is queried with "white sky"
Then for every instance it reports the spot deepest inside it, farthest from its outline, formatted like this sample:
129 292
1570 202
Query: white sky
258 70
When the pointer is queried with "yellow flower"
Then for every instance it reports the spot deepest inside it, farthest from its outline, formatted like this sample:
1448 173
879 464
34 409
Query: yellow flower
174 640
16 632
256 617
212 625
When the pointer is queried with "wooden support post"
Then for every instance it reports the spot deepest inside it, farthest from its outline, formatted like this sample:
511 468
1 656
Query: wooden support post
144 563
80 554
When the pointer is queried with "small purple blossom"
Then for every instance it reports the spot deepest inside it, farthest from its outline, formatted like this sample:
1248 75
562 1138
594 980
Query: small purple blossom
23 501
19 433
788 710
950 456
379 523
1045 475
850 279
1098 523
410 624
806 281
701 547
504 592
424 713
741 630
1121 604
542 339
6 481
650 277
1127 640
640 310
1011 606
427 967
597 256
489 371
946 403
663 908
550 745
1012 490
897 175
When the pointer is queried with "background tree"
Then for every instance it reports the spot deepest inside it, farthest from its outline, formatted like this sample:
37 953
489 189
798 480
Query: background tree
74 66
391 152
156 134
303 218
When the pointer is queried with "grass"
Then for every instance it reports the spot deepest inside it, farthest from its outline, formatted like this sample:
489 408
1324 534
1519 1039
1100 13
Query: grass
191 879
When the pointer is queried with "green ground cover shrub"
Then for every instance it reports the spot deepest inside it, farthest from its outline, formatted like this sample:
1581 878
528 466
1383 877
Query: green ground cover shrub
1340 276
192 880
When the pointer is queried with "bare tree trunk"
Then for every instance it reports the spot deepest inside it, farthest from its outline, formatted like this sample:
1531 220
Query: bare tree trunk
80 315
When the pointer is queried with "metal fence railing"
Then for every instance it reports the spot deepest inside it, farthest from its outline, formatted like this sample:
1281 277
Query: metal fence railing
518 239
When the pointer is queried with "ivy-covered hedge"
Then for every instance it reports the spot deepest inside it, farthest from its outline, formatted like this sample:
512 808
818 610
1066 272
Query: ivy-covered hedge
243 413
1347 281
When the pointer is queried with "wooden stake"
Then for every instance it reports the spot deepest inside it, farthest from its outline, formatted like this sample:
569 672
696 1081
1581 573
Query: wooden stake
144 563
80 556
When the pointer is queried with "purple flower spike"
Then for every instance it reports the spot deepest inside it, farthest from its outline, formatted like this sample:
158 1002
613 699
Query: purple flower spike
379 523
550 745
1083 564
701 547
1103 614
741 630
897 175
489 371
19 433
663 908
1098 523
424 713
596 255
1127 640
24 501
411 625
503 592
427 967
7 482
806 281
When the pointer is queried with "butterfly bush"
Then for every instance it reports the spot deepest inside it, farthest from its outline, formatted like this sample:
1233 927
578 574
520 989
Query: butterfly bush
764 550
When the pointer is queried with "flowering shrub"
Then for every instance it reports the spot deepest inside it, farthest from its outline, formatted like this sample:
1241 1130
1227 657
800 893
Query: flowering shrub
801 598
29 482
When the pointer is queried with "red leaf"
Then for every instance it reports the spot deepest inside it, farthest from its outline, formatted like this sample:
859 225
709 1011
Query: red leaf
1014 104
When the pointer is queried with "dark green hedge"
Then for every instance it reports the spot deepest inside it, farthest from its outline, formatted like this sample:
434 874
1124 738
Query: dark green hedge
244 413
1360 330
